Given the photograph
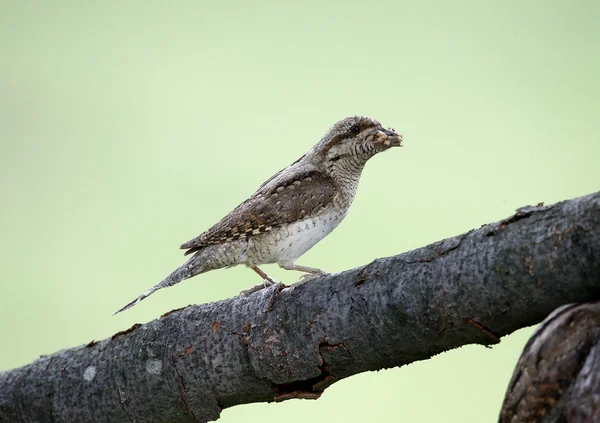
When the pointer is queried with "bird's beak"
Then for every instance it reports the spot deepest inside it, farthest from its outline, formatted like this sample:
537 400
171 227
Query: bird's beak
387 137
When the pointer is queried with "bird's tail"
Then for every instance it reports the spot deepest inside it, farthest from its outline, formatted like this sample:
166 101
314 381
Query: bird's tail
190 268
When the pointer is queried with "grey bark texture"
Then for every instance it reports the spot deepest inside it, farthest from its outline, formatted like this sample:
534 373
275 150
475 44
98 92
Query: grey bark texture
293 342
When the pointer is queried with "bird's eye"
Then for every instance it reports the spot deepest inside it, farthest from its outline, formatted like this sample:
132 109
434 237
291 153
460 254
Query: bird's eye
355 129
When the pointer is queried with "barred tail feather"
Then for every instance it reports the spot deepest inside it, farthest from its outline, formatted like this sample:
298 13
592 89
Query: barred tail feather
185 271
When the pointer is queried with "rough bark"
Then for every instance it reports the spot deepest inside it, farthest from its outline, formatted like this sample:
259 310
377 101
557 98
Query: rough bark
556 377
583 401
293 342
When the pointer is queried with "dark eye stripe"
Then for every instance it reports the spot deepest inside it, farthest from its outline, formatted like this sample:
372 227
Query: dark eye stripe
339 137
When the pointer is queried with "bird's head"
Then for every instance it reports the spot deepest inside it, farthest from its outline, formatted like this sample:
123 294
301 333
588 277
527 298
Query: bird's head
356 139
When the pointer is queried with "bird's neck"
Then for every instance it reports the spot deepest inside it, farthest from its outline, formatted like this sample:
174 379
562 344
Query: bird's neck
346 172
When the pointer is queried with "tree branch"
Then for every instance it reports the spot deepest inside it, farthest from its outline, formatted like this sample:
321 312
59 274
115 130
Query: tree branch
556 377
293 342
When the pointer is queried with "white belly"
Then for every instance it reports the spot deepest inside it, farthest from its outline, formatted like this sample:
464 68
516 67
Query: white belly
286 244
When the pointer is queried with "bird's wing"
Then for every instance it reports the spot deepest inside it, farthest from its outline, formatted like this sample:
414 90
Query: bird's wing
285 200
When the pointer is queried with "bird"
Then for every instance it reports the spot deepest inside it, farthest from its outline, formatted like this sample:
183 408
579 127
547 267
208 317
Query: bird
291 211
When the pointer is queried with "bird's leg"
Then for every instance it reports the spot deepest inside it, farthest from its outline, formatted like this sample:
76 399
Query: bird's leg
267 281
311 271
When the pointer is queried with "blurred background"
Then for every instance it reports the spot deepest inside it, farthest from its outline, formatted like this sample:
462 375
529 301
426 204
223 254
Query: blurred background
127 128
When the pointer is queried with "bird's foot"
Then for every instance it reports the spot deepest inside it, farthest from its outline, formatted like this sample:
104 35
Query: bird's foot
267 282
307 277
310 276
252 290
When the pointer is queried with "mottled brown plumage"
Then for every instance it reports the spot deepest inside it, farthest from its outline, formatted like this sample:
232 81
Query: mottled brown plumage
292 210
291 200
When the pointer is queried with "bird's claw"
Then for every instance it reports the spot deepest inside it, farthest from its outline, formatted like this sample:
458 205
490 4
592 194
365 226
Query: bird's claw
267 282
310 276
307 277
252 290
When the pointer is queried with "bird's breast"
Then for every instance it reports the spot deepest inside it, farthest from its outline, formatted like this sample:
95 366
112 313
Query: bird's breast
288 242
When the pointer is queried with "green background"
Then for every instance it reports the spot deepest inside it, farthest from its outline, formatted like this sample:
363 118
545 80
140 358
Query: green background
128 128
